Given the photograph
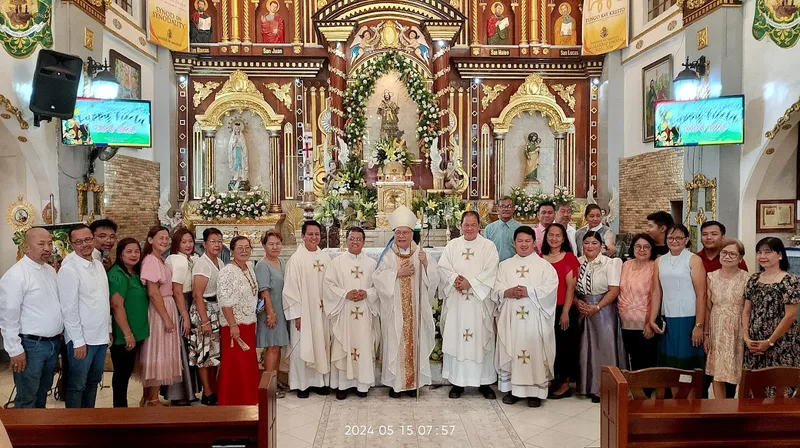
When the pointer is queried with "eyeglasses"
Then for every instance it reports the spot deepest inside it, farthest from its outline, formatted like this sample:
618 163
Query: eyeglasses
355 240
83 242
676 239
726 254
642 247
507 207
244 249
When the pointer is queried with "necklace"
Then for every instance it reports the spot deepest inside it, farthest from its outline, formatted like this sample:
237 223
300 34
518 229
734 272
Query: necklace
250 279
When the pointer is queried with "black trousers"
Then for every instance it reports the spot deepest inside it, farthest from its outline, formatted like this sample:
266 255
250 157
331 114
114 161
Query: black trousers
124 362
566 364
730 389
643 352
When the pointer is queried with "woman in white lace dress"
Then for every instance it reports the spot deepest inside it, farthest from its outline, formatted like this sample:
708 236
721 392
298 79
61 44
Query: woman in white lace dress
237 291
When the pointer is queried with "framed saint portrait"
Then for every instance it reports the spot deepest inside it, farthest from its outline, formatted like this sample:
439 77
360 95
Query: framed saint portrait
775 216
656 86
128 74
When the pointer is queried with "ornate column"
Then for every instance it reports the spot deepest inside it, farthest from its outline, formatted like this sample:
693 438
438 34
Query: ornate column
275 182
235 25
500 166
441 87
561 165
336 33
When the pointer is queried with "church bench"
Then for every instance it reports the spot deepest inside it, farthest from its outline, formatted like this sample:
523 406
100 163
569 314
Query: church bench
693 422
148 427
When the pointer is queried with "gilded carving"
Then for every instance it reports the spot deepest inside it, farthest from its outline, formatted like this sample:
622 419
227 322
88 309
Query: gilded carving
239 94
710 185
14 111
98 204
533 86
202 91
20 215
88 39
533 96
702 38
282 93
694 4
672 24
490 94
783 120
567 94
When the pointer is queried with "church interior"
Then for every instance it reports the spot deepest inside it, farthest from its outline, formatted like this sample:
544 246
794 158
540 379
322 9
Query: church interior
251 116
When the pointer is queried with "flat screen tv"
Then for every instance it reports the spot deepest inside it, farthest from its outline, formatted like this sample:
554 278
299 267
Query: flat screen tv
101 122
714 121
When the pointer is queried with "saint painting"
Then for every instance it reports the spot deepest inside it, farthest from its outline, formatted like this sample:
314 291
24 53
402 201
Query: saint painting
498 26
565 30
200 24
272 25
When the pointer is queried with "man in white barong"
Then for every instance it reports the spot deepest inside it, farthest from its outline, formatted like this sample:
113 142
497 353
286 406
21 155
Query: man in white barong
467 272
351 303
407 324
526 344
309 328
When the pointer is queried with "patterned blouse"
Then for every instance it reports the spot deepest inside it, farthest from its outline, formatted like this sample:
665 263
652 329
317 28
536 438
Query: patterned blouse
635 290
595 277
237 289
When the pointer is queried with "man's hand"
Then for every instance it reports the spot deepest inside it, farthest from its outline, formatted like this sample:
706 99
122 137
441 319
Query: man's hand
352 296
361 295
18 362
107 262
297 324
79 352
423 258
406 269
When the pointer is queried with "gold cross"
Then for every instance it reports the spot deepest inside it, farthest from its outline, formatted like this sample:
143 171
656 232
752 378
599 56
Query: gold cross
521 313
356 313
467 335
357 272
522 271
318 266
525 357
354 354
467 295
468 254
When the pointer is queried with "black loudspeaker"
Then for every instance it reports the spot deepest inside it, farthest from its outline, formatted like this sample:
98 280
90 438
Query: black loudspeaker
55 85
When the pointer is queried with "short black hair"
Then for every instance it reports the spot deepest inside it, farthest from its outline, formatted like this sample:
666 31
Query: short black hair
471 213
356 229
77 227
650 241
307 224
708 224
565 244
103 223
661 218
545 204
592 234
591 207
681 228
211 231
528 230
776 245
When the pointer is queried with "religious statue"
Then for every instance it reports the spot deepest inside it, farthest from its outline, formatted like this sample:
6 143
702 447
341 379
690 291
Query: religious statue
164 206
237 153
565 27
389 112
272 25
200 24
365 41
498 26
532 157
414 42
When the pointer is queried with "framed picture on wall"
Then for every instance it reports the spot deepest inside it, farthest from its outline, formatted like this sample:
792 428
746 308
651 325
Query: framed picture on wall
775 216
128 74
656 86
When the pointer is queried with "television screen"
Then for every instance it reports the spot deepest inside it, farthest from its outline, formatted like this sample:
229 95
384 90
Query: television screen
714 121
108 123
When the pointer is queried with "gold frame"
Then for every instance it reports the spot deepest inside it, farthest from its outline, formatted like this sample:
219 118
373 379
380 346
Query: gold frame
20 205
533 96
701 182
98 203
239 94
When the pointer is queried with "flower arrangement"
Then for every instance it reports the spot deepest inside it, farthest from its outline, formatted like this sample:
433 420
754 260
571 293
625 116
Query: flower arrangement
362 86
387 150
439 205
233 204
526 204
359 206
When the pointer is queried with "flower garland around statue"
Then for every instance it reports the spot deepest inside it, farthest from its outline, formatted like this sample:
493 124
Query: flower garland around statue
526 204
233 204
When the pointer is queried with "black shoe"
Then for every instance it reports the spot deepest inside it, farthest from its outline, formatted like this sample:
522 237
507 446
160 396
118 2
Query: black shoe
210 400
361 394
595 398
487 392
567 394
412 393
213 398
321 390
510 399
302 393
534 402
456 392
393 394
341 394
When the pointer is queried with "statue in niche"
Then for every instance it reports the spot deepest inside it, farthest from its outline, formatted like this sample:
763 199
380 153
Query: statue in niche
565 26
272 25
200 24
532 151
389 112
237 156
498 26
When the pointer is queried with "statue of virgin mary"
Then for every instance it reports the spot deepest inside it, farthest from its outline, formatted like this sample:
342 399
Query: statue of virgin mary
237 152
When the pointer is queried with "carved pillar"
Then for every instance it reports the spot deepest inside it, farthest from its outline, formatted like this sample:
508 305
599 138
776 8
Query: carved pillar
235 26
246 22
561 165
225 21
338 83
275 151
500 165
441 86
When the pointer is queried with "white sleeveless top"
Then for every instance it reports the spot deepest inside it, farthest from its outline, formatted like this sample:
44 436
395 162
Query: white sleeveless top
679 299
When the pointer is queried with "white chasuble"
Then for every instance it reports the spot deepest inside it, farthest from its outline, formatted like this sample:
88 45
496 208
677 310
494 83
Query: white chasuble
406 319
526 343
309 357
353 340
468 338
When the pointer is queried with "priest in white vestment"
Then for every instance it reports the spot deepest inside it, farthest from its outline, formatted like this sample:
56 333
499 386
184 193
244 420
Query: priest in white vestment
309 328
526 343
351 303
467 272
407 324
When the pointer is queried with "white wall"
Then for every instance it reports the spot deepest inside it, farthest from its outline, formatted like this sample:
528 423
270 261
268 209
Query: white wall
781 183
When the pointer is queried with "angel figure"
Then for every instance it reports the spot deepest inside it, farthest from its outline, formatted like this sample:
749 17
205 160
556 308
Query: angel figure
590 195
454 178
164 206
344 152
436 164
613 208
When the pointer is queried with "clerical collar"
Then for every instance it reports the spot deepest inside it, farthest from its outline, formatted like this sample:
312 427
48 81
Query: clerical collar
355 256
533 254
404 251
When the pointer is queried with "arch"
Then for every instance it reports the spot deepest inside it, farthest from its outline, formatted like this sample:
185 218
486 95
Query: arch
533 96
237 95
415 10
419 65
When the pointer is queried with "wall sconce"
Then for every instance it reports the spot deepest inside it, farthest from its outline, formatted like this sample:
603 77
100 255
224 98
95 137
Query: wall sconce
104 84
687 84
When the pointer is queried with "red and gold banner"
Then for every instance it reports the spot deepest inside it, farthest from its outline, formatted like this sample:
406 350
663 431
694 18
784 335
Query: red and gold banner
605 26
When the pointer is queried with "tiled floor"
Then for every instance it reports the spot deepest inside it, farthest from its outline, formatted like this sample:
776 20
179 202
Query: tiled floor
322 422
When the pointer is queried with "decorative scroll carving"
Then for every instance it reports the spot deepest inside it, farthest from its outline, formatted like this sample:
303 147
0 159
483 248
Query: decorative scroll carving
782 121
533 96
490 94
202 91
282 93
567 94
239 94
14 111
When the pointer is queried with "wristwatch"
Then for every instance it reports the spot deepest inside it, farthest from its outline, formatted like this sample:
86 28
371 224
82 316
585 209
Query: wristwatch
699 325
771 344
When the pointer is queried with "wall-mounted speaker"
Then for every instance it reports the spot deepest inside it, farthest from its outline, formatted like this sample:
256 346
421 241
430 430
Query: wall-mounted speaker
55 85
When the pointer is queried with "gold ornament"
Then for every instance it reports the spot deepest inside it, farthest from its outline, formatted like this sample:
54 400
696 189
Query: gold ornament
490 93
566 93
20 215
202 91
282 93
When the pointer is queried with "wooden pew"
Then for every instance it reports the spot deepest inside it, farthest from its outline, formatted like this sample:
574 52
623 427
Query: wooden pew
254 426
693 422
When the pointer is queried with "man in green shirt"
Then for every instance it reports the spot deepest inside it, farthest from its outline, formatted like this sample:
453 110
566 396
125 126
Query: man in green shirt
501 232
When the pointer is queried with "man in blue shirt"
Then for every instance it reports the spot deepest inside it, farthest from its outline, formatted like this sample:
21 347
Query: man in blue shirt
501 232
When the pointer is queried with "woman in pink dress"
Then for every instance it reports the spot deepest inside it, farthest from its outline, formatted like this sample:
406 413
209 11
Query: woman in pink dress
160 356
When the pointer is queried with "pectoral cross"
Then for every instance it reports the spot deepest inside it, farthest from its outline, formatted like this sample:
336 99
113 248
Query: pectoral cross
318 266
357 272
467 335
354 354
467 295
522 271
468 254
524 357
521 313
356 313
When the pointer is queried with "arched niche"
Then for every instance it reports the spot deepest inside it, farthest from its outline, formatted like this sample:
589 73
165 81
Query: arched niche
533 96
239 94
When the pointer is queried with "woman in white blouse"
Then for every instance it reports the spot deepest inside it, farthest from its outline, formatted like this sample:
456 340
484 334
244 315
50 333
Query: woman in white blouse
601 337
180 262
237 294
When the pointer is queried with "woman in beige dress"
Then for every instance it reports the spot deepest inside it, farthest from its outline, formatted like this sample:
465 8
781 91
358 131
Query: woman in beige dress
725 302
